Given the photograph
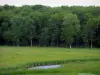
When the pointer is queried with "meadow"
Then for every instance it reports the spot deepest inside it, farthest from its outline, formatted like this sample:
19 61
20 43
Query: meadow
11 57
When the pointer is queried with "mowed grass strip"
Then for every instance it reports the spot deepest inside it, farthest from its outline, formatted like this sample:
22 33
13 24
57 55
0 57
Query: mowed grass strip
16 56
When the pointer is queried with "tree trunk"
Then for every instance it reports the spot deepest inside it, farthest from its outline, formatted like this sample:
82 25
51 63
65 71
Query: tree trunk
51 44
91 43
91 39
39 44
18 44
66 45
76 44
57 42
31 43
85 44
70 46
44 45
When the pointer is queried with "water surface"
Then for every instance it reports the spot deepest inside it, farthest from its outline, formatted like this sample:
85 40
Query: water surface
44 67
86 74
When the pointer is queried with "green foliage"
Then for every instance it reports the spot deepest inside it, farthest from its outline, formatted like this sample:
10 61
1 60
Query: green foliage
70 27
44 36
28 25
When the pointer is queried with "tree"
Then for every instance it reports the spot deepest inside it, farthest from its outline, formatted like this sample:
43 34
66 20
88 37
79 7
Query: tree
54 26
16 25
7 35
29 24
70 27
44 36
88 31
31 29
97 31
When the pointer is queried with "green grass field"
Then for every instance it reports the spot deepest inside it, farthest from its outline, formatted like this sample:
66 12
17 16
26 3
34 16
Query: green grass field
18 56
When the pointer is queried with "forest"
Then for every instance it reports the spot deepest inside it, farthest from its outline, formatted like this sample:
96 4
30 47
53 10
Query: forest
39 25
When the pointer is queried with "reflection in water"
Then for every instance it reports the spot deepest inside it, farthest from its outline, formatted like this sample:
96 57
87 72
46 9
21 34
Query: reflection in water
44 67
86 74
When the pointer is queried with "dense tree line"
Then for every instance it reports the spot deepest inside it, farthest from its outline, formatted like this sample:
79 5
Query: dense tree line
38 25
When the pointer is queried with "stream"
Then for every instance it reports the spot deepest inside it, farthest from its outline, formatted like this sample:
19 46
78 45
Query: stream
44 67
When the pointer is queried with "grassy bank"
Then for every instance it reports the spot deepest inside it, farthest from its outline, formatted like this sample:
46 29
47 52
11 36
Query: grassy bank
90 67
75 60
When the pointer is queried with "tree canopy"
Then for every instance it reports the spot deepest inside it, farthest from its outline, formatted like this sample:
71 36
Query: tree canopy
39 25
